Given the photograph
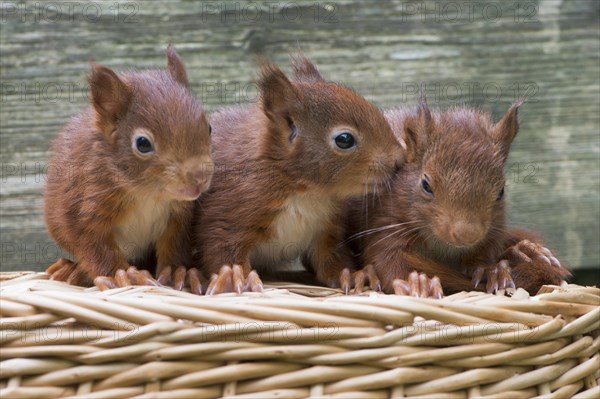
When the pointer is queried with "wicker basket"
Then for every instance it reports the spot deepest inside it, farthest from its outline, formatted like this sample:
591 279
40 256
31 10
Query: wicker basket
294 342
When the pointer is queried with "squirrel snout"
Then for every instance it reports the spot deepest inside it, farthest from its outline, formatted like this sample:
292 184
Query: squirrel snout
193 179
201 175
464 233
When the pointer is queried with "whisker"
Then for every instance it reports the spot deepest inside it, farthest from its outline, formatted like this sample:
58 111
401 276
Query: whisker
378 229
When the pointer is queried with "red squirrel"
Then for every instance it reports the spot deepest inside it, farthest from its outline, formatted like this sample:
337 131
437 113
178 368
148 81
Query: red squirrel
284 168
125 175
442 225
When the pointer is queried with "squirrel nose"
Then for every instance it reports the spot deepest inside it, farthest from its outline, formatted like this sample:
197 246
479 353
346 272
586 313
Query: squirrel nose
466 233
202 175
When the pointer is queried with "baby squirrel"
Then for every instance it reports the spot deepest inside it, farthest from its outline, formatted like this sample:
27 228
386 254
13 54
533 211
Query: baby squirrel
125 175
284 168
444 215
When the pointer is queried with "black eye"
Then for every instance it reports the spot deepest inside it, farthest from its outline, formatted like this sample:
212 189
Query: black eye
426 187
143 145
209 129
501 195
344 140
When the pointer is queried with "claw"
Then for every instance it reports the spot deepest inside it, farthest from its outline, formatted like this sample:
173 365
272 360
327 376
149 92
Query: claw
237 279
105 283
492 280
401 287
195 281
164 277
477 276
555 262
359 278
136 277
222 283
545 259
122 279
424 288
374 281
345 280
253 282
504 277
211 285
436 288
231 279
413 283
179 278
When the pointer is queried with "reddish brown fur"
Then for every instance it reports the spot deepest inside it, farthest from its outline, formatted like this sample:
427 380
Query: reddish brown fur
463 225
260 166
98 181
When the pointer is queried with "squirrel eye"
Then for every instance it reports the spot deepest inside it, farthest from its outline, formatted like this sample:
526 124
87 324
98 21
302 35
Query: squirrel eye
501 195
209 129
344 141
426 187
143 145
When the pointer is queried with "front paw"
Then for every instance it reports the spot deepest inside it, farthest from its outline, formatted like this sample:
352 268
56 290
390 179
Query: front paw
126 278
68 271
533 265
181 277
357 280
419 285
530 252
231 279
496 277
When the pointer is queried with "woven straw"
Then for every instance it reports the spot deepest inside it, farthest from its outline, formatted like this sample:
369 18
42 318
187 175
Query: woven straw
294 342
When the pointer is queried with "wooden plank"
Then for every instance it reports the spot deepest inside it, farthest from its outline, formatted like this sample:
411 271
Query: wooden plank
466 53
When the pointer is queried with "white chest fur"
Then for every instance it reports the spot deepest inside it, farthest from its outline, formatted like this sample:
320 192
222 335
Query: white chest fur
294 230
142 227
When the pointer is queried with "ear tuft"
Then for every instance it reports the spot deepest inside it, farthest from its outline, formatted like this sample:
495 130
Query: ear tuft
416 130
505 131
176 67
110 96
277 92
305 70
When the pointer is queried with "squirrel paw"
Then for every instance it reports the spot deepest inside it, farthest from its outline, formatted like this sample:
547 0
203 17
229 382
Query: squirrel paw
497 277
533 265
419 285
231 279
126 278
359 279
181 278
66 270
528 252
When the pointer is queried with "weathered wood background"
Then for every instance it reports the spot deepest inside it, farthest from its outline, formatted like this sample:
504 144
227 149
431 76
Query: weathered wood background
481 53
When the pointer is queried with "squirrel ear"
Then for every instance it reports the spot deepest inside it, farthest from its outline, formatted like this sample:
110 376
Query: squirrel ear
110 96
176 67
278 95
416 130
505 131
305 70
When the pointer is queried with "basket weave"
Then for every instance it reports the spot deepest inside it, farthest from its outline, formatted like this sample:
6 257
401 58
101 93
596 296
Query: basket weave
294 342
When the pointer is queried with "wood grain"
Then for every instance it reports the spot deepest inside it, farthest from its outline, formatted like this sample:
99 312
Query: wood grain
481 53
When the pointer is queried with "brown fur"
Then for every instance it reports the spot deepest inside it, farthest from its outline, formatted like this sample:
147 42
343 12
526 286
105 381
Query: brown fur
463 225
100 188
263 170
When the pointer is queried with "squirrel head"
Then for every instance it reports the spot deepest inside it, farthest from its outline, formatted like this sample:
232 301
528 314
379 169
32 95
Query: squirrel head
323 134
158 133
454 179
